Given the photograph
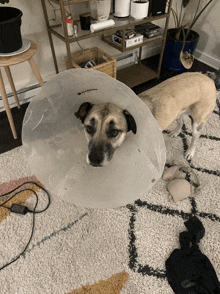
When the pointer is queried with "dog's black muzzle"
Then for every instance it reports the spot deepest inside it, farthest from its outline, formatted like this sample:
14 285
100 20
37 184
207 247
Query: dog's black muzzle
96 156
99 152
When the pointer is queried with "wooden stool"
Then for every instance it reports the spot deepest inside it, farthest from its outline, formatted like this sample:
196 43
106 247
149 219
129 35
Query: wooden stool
11 60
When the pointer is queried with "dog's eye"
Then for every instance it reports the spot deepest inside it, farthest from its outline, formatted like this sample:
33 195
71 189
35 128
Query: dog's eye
114 133
89 130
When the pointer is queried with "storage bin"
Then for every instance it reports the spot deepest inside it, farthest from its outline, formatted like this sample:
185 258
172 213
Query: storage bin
104 62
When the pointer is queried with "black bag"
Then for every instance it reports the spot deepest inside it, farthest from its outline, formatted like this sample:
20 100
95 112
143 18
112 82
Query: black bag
188 270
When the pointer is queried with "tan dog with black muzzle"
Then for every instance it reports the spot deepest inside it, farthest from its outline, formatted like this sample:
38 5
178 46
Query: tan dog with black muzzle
107 124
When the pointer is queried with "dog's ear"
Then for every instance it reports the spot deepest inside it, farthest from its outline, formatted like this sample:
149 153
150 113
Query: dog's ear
83 110
130 121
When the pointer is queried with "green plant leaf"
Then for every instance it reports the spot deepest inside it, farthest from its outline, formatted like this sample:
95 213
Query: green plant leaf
185 3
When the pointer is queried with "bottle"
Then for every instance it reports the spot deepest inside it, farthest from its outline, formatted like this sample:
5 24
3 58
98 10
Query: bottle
75 30
69 23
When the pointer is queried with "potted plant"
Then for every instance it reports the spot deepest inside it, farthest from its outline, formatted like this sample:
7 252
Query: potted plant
182 40
10 28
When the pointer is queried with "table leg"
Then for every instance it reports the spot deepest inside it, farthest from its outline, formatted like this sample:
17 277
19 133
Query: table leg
36 71
7 107
8 72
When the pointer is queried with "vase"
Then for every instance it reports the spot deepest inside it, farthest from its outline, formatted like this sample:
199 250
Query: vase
139 9
100 9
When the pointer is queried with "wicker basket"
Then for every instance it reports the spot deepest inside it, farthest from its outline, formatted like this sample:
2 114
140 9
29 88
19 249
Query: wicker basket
105 63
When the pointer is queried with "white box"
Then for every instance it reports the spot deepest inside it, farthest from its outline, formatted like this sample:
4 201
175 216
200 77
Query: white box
128 42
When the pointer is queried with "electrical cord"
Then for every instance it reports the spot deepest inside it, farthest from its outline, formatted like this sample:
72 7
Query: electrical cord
21 209
78 43
67 13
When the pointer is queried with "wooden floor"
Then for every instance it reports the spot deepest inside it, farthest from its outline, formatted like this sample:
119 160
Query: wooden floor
7 142
135 75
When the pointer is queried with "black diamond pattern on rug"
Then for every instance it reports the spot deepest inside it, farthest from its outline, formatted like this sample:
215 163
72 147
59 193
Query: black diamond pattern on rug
205 205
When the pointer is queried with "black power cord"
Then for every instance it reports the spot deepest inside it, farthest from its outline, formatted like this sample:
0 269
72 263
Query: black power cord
21 209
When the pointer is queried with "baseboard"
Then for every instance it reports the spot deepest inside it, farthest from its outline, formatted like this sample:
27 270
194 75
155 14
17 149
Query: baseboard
25 95
207 59
129 59
151 50
124 59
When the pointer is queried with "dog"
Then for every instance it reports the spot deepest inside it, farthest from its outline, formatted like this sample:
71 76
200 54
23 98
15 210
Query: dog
107 124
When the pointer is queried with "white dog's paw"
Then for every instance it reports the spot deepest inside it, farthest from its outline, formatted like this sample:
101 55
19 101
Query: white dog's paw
190 153
174 133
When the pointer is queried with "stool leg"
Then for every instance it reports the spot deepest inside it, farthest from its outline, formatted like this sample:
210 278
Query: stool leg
35 71
7 107
8 72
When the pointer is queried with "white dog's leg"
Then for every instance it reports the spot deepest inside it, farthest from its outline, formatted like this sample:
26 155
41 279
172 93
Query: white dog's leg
196 132
179 121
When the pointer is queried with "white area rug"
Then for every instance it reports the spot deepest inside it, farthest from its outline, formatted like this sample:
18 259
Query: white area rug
78 250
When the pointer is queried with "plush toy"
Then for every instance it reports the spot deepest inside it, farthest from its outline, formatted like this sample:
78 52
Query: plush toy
178 187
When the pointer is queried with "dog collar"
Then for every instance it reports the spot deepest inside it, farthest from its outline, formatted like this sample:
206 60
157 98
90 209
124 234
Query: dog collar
56 146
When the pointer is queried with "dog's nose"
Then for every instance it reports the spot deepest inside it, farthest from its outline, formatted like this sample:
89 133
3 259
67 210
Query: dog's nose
96 157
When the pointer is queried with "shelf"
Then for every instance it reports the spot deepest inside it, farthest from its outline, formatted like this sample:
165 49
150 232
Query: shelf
136 74
146 41
120 24
58 31
131 76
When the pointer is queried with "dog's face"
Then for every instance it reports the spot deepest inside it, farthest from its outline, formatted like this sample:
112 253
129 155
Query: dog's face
106 126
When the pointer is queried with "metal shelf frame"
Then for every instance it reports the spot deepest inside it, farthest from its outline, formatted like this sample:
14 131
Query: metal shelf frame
60 31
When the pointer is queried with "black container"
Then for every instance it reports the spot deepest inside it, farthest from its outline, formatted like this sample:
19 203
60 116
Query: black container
157 7
10 29
85 21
